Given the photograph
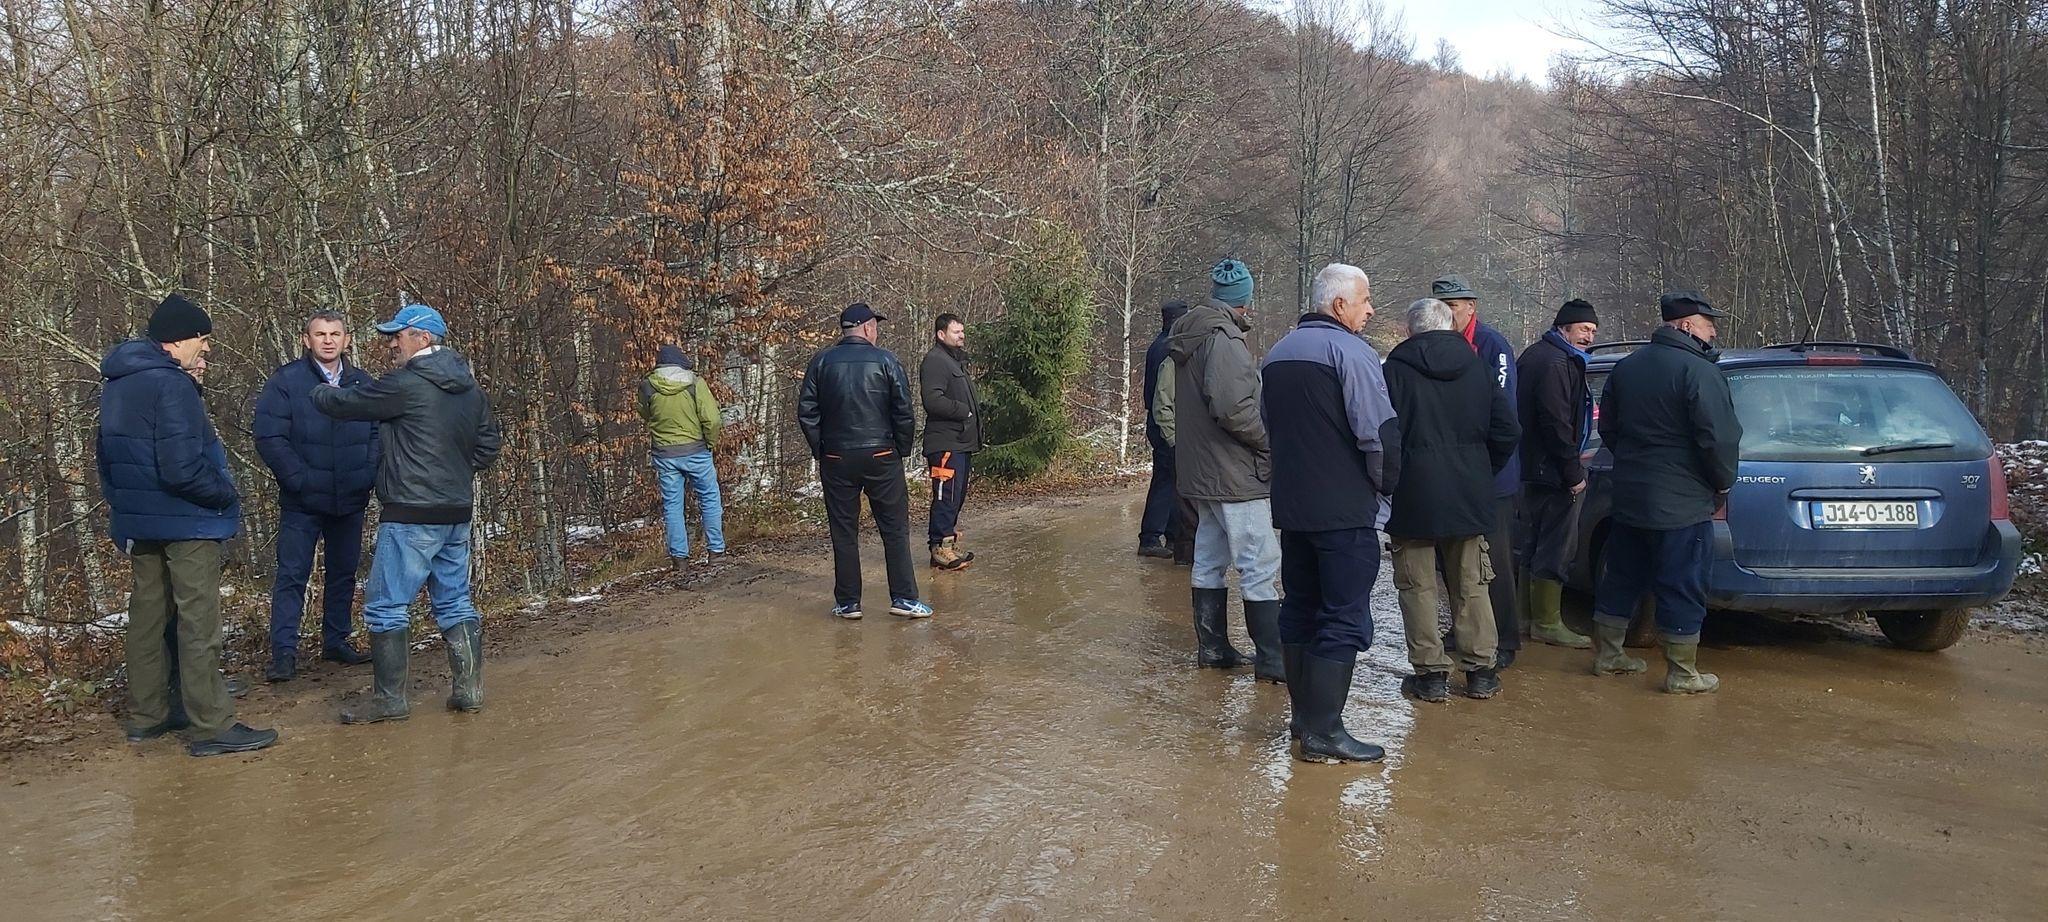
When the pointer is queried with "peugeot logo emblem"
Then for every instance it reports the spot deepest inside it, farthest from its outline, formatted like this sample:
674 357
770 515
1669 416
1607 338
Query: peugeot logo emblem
1869 472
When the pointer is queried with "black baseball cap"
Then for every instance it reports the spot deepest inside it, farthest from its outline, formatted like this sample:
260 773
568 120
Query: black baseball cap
1685 303
856 314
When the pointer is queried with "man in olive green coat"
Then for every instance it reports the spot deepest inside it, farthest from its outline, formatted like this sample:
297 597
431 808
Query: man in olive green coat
682 422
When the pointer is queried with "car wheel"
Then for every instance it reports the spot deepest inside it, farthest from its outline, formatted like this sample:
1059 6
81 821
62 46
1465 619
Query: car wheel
1924 631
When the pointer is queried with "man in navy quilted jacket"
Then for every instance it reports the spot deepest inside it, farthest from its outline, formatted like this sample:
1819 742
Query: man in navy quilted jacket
165 477
324 469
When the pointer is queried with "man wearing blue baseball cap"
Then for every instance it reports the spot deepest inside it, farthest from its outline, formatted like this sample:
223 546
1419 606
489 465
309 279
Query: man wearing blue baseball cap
437 432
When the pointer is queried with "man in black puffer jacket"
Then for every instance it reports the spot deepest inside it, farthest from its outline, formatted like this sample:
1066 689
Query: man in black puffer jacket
855 411
1457 432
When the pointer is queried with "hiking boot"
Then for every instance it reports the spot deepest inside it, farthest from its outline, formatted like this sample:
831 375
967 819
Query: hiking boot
236 688
946 556
1433 687
1683 676
677 566
1546 617
1326 685
284 666
171 724
1290 660
1502 659
346 654
1212 641
909 608
237 738
391 663
1262 621
1154 547
1609 654
849 611
465 643
1482 683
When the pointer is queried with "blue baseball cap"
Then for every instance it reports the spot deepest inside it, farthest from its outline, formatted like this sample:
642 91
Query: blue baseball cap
415 317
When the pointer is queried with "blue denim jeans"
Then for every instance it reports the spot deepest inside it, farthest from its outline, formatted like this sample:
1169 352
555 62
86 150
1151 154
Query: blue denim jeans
410 556
701 475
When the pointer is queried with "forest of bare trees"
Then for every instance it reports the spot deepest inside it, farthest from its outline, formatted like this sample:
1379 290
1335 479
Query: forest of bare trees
576 181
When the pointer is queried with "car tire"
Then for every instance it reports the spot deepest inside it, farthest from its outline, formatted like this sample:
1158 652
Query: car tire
1924 631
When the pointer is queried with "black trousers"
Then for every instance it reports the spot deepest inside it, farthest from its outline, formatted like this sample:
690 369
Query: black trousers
1162 501
879 474
1328 577
1505 591
948 495
1550 532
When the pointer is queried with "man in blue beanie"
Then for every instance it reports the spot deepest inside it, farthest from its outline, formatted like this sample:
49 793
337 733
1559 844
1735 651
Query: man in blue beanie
1223 465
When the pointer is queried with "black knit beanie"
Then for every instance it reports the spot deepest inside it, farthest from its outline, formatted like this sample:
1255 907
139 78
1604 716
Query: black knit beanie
1575 311
177 319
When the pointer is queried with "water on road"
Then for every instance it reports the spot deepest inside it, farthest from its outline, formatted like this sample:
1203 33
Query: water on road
1043 749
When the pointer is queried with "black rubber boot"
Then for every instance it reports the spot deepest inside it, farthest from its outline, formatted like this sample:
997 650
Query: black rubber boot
390 661
1262 621
1482 683
1290 659
1326 684
237 738
465 665
1433 687
1212 639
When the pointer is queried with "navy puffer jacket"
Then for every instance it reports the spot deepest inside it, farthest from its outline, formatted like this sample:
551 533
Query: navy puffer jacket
322 464
162 469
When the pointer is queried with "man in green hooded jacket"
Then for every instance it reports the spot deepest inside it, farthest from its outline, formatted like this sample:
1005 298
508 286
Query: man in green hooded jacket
682 424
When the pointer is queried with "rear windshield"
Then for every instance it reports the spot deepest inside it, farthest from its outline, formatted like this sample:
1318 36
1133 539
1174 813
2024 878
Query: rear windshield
1852 413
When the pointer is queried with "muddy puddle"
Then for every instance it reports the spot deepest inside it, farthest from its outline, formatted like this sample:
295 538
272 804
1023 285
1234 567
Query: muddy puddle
1042 749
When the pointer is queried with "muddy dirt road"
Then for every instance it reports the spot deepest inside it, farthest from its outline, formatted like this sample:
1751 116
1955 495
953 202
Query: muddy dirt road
1043 750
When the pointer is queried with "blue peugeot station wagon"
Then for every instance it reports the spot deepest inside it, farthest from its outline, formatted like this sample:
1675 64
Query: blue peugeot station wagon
1865 486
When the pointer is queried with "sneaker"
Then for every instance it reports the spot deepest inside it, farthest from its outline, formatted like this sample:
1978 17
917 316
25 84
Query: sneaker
909 608
1154 549
346 654
849 612
238 738
171 724
1482 683
1433 687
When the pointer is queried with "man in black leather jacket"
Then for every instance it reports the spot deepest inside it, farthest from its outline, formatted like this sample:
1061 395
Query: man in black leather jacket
855 411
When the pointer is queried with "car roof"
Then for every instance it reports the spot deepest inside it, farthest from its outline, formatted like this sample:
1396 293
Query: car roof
1605 355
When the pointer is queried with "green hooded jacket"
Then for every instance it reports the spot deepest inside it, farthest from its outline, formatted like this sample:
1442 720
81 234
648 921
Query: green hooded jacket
681 414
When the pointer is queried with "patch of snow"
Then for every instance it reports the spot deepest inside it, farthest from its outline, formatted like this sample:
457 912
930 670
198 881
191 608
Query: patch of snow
584 599
812 490
578 534
2031 564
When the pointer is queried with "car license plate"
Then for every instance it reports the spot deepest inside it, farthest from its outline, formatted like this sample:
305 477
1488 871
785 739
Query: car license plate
1866 515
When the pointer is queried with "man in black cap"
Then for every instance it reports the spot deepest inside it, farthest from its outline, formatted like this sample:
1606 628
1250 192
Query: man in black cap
1162 502
1667 416
165 477
855 411
1557 419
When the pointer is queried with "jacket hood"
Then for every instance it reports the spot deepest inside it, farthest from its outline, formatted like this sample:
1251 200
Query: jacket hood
1190 332
1683 341
444 369
1442 355
133 356
669 380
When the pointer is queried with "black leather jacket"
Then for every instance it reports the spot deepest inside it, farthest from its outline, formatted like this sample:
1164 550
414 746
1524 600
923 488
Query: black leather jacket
856 395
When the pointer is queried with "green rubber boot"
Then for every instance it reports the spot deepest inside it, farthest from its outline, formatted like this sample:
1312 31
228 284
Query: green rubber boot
1546 616
1610 656
1684 676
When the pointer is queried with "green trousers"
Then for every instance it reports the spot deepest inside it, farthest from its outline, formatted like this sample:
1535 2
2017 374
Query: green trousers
1468 572
178 579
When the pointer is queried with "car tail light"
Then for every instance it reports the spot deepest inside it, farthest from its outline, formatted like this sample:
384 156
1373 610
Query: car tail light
2001 504
1833 358
1721 508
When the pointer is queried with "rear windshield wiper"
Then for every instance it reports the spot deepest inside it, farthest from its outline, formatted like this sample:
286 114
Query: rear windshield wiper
1904 446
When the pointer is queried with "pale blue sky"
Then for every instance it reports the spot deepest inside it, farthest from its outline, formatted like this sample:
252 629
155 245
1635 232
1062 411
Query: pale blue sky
1520 36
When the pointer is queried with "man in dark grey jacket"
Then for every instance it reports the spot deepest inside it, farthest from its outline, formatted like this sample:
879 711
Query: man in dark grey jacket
437 432
1667 416
952 434
1224 466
